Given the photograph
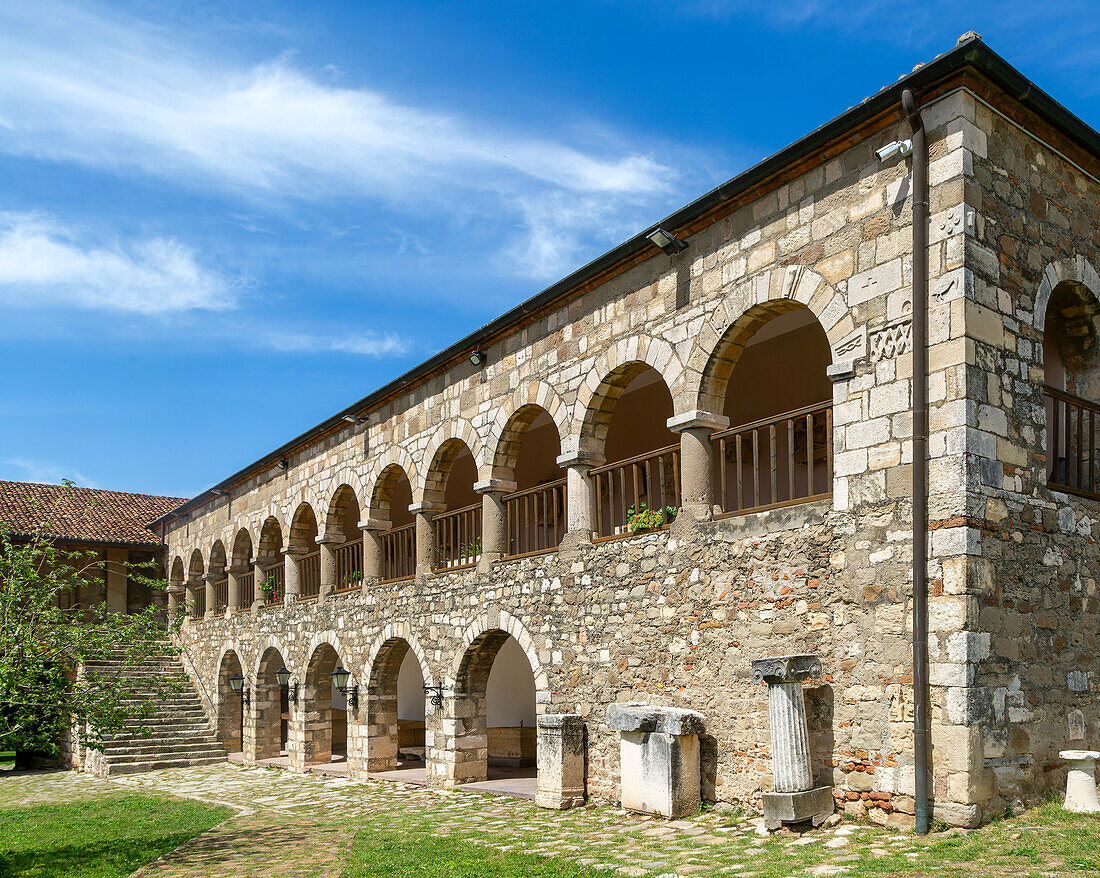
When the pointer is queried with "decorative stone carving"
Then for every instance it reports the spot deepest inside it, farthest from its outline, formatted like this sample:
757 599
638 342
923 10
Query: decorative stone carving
892 340
560 761
658 758
794 797
1081 781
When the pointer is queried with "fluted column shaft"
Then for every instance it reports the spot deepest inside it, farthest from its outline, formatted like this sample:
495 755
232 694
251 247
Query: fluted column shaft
790 739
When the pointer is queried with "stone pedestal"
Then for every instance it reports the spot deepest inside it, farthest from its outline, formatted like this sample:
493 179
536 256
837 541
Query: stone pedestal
658 758
794 797
560 761
1081 781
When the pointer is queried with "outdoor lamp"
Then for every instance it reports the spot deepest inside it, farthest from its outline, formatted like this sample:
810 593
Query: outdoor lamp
236 683
340 679
666 242
478 358
282 677
436 693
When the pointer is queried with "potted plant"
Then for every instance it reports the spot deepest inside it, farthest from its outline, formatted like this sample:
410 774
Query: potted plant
352 580
267 588
640 518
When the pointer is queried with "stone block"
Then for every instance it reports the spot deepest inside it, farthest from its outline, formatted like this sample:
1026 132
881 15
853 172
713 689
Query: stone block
560 761
639 717
815 805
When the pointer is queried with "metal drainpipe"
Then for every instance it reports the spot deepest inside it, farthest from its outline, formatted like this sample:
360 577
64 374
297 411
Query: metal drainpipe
921 731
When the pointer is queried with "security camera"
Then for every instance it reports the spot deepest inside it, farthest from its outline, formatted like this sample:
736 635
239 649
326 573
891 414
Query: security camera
898 147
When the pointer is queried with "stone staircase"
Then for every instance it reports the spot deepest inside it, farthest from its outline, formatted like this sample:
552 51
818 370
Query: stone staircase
181 734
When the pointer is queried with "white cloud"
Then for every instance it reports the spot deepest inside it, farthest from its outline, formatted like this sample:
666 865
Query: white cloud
44 263
34 470
368 344
80 86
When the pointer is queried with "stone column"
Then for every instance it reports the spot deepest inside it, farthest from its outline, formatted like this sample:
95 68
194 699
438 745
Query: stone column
697 460
658 758
211 599
259 574
425 536
794 798
494 524
1081 781
174 592
560 761
233 597
192 592
293 583
328 544
372 529
578 498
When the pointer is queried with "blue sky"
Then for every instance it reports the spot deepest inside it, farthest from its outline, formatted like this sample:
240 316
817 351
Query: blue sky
220 222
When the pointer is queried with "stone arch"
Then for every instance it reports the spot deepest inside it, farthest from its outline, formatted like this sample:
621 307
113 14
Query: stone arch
270 543
230 704
178 574
241 555
1078 272
338 507
721 339
530 399
301 536
218 561
195 567
395 458
317 731
441 451
384 486
502 621
270 703
382 671
606 382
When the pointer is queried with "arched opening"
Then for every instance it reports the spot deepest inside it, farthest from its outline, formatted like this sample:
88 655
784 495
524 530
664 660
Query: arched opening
271 708
242 568
495 693
343 521
396 714
1071 372
638 488
269 559
770 370
535 514
324 712
230 704
216 570
196 587
456 524
391 502
304 551
176 578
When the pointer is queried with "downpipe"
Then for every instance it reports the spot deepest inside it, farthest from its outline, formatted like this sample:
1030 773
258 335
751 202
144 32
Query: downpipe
921 729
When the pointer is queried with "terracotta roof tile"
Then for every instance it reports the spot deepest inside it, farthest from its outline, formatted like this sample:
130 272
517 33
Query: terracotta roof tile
83 514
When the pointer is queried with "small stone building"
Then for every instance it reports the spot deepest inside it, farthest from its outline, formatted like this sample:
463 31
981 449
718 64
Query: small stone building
697 451
112 529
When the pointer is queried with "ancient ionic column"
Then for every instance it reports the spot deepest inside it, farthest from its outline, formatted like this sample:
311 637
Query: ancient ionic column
494 526
794 797
697 460
1081 781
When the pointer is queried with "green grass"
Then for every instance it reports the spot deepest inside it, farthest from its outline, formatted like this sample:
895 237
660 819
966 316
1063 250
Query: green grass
99 837
419 853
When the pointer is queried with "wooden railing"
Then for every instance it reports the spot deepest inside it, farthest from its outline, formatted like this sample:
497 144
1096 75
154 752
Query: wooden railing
309 575
536 519
776 461
199 608
1072 442
276 572
618 488
399 553
349 565
246 583
457 537
221 595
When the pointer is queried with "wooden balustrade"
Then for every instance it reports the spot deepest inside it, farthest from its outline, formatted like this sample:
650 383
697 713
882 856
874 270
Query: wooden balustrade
776 461
309 575
349 565
221 595
198 609
399 553
536 519
246 583
457 537
277 574
620 489
1072 442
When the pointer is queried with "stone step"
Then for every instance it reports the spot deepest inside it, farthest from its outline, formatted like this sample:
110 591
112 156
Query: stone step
136 753
153 765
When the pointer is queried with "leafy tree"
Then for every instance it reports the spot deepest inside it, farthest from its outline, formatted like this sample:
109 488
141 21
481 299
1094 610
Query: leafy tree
46 638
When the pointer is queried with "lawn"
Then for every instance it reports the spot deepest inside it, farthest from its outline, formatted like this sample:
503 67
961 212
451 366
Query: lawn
420 853
102 837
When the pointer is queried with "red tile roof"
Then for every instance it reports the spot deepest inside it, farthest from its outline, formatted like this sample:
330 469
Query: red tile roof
83 514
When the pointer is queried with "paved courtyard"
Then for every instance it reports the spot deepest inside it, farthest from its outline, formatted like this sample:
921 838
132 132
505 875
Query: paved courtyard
303 825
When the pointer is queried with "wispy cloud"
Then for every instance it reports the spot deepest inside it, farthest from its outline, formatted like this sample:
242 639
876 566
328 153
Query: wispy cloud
338 341
44 263
34 470
79 86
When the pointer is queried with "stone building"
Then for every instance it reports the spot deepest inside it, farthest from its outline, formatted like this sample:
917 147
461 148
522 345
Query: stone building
111 529
469 542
